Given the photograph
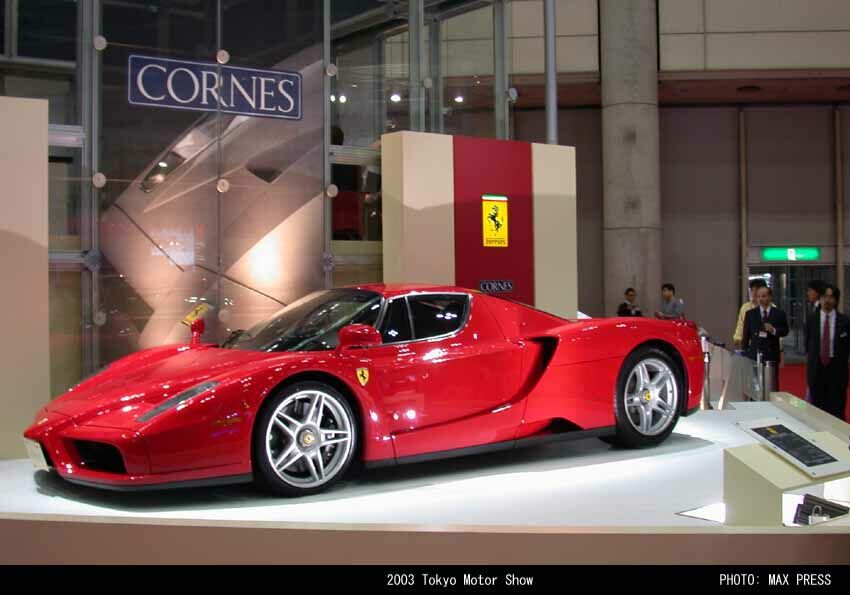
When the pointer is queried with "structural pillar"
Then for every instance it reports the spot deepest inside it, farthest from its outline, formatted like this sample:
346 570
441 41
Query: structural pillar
630 152
550 41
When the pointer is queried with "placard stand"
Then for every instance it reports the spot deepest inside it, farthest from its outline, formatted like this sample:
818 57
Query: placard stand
755 478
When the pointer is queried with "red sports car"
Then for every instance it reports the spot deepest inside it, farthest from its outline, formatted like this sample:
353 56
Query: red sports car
376 374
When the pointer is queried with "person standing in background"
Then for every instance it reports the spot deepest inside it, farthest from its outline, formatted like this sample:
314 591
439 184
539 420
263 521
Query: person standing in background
629 307
828 349
755 285
814 291
764 326
671 306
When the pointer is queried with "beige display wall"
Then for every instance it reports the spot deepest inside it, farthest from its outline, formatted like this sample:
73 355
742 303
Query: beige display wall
24 317
418 216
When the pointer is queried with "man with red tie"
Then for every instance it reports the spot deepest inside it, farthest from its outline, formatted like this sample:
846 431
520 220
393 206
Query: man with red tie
828 343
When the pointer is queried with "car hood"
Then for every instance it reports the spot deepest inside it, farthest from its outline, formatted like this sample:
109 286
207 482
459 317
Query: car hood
132 389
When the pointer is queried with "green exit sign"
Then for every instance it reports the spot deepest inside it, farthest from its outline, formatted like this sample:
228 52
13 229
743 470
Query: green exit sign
796 254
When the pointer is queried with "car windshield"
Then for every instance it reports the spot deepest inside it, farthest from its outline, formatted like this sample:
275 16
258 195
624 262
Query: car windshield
311 323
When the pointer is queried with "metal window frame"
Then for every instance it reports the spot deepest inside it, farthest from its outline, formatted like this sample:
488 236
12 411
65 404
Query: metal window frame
415 45
11 32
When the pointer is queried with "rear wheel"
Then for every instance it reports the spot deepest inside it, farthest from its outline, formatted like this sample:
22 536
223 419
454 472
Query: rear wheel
648 399
305 439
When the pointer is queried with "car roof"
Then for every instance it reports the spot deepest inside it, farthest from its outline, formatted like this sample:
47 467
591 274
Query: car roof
394 289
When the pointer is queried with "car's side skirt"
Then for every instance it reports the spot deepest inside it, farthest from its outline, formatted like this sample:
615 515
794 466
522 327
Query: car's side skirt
191 483
495 447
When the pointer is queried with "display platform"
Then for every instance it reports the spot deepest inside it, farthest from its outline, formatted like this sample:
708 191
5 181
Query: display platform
561 502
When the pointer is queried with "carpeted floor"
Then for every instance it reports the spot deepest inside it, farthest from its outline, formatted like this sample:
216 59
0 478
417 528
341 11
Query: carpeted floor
792 379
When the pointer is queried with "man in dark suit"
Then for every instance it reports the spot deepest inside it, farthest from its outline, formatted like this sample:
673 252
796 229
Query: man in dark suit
764 326
629 307
828 348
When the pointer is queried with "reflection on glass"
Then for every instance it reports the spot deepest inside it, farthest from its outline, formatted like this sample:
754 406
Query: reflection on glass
66 330
58 89
47 29
468 70
310 324
64 188
356 210
169 238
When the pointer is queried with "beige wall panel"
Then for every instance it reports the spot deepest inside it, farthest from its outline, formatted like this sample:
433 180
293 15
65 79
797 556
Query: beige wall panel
680 16
555 245
576 17
777 15
418 208
477 24
526 55
469 58
578 54
575 54
682 52
25 317
527 18
779 50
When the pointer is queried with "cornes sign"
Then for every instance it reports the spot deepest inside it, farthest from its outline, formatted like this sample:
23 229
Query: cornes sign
177 84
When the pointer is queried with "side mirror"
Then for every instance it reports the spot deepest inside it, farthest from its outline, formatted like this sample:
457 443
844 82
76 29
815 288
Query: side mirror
358 335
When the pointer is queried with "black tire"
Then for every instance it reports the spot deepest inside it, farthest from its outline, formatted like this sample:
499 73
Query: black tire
270 442
627 434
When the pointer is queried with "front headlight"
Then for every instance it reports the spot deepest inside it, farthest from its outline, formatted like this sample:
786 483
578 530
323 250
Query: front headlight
176 400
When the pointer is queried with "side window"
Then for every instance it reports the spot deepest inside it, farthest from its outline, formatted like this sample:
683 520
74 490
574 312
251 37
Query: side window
435 315
396 325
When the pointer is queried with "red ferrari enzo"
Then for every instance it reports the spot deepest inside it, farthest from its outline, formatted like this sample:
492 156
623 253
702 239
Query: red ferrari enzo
376 374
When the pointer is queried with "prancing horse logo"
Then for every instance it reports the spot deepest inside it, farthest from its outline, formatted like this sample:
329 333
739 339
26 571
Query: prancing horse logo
362 376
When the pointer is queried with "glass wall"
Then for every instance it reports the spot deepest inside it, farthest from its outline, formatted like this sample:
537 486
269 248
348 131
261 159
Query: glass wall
468 67
208 207
156 208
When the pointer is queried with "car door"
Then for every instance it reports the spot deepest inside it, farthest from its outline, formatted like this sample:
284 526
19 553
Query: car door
446 374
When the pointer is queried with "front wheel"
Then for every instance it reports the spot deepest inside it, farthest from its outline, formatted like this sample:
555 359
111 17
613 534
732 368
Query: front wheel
649 390
305 439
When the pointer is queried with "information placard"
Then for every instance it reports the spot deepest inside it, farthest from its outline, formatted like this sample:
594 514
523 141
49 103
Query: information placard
803 451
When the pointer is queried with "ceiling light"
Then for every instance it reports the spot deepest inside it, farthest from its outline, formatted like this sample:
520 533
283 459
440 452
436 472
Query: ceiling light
395 97
343 98
458 98
333 98
163 164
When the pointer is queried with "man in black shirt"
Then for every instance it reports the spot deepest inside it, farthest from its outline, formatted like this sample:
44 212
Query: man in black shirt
629 307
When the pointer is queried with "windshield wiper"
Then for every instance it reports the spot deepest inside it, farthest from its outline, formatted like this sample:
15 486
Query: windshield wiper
231 338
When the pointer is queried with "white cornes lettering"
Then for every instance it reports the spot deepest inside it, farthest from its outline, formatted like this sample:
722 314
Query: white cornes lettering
140 85
264 93
195 85
286 95
212 89
209 87
235 85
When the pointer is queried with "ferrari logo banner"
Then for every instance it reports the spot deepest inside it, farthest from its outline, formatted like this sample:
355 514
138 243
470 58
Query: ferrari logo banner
197 312
494 216
362 376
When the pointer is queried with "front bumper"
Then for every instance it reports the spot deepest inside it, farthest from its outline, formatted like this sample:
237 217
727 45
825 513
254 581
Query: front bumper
61 439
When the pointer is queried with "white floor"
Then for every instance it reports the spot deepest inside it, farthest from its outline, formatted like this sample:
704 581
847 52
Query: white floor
582 483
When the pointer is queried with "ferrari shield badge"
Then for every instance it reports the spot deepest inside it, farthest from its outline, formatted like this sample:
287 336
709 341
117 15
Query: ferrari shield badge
197 312
494 218
363 376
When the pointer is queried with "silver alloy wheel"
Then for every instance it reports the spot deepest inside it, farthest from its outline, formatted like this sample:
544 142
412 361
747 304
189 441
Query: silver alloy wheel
652 395
309 438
